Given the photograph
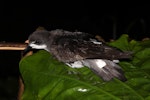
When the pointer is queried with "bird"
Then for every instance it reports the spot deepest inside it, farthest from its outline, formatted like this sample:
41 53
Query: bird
80 49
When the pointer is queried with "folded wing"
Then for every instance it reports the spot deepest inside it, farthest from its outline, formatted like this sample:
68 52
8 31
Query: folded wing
68 49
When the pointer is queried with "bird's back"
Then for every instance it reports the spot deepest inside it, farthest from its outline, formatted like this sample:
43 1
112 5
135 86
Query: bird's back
73 46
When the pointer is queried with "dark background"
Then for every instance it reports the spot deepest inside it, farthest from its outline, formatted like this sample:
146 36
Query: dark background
19 19
109 20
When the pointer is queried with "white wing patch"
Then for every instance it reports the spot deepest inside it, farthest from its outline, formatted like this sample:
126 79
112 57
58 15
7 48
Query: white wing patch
95 41
76 64
116 61
100 63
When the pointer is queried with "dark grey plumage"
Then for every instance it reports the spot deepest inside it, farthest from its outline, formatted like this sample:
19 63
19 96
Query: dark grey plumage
79 48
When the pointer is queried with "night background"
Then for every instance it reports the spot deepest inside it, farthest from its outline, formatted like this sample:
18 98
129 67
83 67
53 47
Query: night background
19 19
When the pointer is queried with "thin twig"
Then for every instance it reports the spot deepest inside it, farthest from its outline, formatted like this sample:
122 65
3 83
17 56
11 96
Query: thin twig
12 46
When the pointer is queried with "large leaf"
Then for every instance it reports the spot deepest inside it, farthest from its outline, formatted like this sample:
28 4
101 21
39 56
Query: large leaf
121 43
141 56
137 69
125 44
48 79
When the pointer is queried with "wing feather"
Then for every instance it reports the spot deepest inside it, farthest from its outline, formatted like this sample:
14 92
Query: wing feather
72 46
107 71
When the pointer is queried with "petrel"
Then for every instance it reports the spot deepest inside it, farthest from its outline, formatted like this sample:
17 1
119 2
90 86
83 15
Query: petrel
78 49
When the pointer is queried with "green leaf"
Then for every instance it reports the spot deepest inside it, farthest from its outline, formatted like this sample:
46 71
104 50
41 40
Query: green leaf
145 44
141 56
146 64
135 46
45 78
121 43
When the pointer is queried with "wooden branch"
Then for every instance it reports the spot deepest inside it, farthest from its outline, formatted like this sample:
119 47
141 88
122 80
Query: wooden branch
12 46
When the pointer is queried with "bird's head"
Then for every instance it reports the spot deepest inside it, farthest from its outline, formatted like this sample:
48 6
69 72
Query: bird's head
37 40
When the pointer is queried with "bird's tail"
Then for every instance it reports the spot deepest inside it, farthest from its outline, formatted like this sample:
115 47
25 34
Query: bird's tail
106 69
125 55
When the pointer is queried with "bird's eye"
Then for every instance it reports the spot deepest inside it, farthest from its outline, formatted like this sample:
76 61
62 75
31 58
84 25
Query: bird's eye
37 42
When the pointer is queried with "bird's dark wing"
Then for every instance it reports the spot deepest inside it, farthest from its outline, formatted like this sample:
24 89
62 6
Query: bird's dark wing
68 49
107 72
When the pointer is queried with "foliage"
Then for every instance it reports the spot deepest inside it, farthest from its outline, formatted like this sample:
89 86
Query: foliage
45 78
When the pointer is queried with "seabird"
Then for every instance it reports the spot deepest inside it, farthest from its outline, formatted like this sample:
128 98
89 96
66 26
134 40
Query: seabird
79 49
